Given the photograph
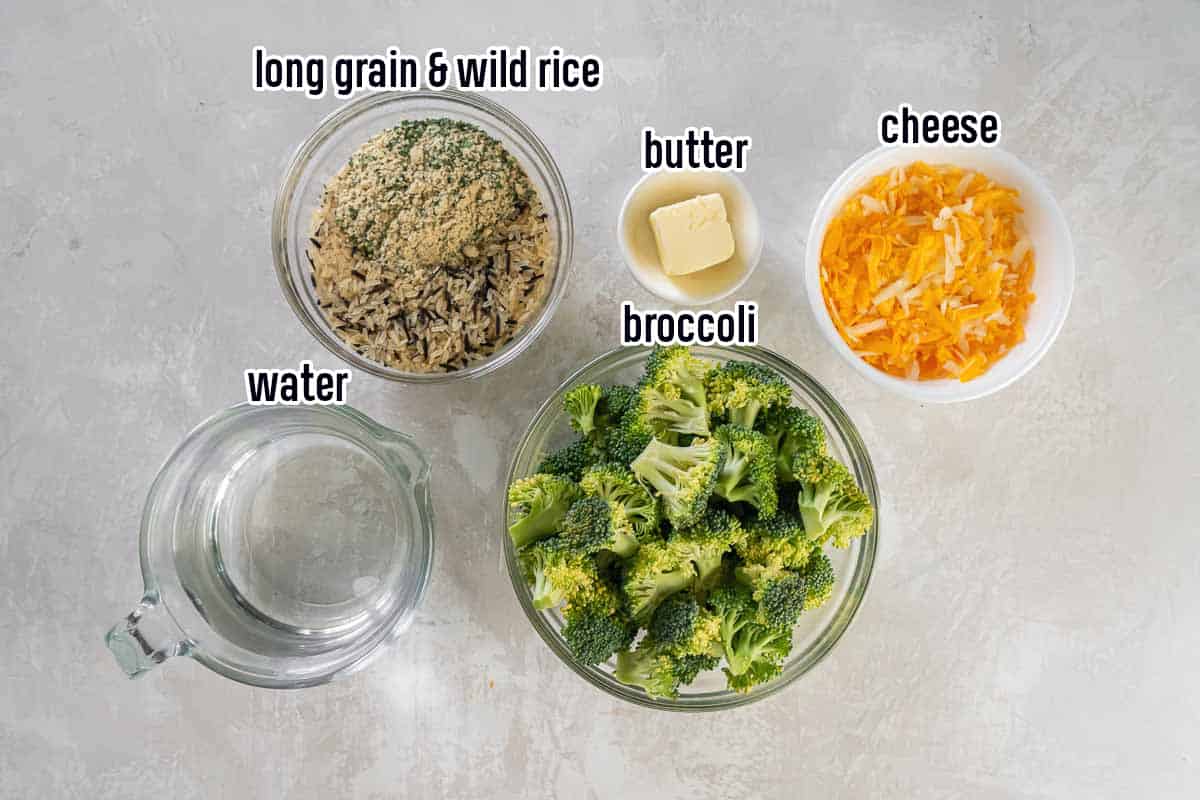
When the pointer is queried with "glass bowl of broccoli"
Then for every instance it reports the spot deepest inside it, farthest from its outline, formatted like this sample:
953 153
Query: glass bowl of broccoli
691 528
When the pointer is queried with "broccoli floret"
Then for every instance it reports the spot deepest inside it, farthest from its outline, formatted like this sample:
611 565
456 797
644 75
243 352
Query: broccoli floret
593 524
658 670
649 667
615 400
809 467
655 573
818 577
759 672
557 573
594 637
596 413
656 413
569 461
754 652
779 593
676 366
797 437
779 540
683 476
538 505
705 543
687 629
580 402
748 474
533 562
670 397
833 507
596 629
741 390
674 619
622 445
615 483
689 665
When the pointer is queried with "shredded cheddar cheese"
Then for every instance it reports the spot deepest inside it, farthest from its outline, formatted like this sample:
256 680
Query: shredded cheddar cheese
926 272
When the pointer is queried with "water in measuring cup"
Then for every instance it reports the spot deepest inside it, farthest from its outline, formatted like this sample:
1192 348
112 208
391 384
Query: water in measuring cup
303 536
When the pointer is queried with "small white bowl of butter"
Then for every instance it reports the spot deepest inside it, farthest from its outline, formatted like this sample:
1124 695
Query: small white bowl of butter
686 230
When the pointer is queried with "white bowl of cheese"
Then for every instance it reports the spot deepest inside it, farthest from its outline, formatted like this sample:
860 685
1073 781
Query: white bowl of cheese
1049 237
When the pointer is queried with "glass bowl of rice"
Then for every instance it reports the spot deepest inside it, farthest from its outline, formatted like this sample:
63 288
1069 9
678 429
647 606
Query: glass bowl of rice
458 318
818 631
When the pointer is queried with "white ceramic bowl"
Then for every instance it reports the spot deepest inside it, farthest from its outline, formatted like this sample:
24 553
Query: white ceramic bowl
1053 282
641 255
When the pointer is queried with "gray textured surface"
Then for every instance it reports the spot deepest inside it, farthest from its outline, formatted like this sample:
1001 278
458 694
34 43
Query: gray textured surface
1032 630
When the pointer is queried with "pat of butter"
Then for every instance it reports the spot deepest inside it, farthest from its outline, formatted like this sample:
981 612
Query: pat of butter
692 235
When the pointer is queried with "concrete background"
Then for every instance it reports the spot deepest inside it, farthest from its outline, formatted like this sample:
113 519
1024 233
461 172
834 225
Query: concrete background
1033 629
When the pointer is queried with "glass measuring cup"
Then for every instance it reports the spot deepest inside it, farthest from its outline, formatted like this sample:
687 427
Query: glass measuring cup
281 546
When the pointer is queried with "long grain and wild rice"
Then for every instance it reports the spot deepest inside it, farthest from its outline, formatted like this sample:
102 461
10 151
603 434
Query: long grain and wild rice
430 249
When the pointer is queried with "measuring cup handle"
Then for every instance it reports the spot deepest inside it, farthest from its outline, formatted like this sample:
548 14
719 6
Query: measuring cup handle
145 638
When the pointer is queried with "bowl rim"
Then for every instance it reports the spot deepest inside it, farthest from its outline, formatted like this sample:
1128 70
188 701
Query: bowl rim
829 636
326 129
627 255
922 391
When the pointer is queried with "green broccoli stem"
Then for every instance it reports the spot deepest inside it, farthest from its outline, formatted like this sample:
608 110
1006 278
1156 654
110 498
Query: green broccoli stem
536 527
813 502
739 660
733 472
623 544
675 581
745 415
649 669
662 474
666 585
730 482
741 494
751 641
785 454
681 416
544 593
708 571
581 403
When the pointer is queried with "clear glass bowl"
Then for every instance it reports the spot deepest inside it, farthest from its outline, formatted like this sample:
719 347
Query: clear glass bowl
281 546
327 150
817 632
